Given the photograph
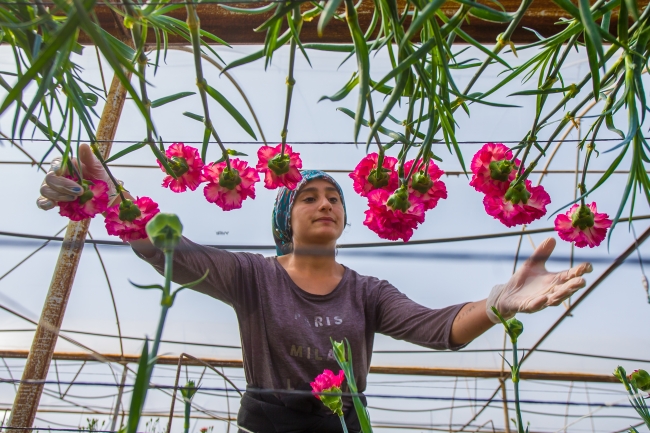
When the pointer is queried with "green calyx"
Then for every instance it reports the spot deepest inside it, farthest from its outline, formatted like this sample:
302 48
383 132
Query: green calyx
178 165
641 379
333 400
164 231
379 177
583 218
229 178
87 194
399 200
517 193
279 164
514 329
129 211
500 170
189 390
421 182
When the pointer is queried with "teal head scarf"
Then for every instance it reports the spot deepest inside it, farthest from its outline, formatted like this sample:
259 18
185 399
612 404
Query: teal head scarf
281 222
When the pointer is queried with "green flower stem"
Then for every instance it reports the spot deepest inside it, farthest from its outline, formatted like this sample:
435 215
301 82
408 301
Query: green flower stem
136 34
502 42
291 81
345 428
515 383
169 261
188 411
101 159
193 23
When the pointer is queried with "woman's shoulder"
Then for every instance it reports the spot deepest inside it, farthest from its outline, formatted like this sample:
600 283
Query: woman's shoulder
367 282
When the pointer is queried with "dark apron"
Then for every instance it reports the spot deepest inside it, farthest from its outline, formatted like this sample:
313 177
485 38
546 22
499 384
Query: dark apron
298 413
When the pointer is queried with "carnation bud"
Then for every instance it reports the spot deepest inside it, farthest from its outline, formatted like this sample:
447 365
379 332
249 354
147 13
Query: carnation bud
178 165
339 350
279 164
164 231
583 218
641 379
517 193
379 177
500 170
129 211
189 390
399 200
421 182
87 194
229 178
515 329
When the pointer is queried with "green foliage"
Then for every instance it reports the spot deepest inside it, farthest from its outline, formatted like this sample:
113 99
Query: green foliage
634 384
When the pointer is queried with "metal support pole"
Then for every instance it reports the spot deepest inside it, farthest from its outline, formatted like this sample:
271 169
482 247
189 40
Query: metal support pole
47 331
118 401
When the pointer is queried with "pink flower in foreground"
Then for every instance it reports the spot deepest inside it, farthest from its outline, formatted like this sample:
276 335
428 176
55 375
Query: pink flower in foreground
94 200
389 223
229 189
366 178
511 214
329 383
124 221
186 163
492 170
583 225
279 171
326 381
426 188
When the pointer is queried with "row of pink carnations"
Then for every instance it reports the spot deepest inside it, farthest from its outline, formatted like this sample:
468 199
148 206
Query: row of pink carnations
395 209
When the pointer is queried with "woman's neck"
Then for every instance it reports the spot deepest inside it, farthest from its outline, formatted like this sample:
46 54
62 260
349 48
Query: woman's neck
313 272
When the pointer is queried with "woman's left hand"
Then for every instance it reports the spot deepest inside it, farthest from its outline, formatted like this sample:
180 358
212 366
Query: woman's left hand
533 288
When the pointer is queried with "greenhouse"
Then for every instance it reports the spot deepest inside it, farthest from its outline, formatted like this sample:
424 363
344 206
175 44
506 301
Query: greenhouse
324 216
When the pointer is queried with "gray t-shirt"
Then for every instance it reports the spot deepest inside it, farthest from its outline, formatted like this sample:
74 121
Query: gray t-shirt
285 331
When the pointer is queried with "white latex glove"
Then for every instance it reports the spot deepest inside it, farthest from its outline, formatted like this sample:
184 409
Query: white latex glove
56 188
533 288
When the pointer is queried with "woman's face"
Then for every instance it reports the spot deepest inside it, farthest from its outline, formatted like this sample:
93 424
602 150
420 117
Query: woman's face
317 216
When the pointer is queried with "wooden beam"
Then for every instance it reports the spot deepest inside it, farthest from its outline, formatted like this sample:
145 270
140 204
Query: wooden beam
237 28
563 376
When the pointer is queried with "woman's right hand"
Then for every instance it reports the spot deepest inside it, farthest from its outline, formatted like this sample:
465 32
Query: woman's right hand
56 187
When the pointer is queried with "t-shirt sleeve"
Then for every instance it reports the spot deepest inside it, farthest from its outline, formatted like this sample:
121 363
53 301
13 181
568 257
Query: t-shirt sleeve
226 271
404 319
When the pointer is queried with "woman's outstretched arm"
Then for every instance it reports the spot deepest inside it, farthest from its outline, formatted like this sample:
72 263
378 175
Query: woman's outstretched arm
470 322
531 288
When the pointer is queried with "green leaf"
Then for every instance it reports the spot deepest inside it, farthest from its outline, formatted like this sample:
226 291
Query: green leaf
204 146
231 110
592 35
345 90
162 101
328 12
261 10
363 64
126 151
392 134
257 54
193 116
146 287
140 388
424 15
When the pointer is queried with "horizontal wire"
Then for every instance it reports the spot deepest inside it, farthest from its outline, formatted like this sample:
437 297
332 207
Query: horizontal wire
341 246
383 352
309 393
325 142
448 173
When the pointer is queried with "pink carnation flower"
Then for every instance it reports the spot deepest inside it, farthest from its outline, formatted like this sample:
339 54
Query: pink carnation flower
480 166
583 231
362 185
436 191
229 194
392 224
94 200
515 214
186 163
325 381
279 172
131 230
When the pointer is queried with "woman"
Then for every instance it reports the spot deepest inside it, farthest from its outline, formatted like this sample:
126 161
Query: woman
289 306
